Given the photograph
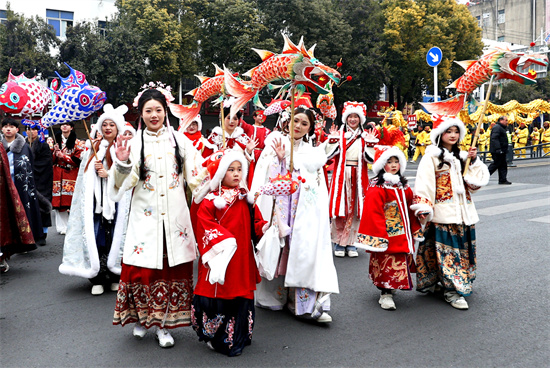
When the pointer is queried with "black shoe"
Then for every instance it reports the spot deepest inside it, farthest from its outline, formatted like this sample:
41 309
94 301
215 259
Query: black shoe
41 241
504 182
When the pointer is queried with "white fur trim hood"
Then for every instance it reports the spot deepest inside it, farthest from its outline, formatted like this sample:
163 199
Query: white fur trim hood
393 151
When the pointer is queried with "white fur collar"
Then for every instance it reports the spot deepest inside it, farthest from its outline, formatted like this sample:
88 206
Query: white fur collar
391 178
236 133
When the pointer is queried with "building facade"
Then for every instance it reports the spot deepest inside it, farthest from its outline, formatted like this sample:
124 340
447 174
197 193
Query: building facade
61 14
515 24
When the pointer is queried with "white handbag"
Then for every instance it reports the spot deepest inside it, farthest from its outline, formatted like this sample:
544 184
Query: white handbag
268 251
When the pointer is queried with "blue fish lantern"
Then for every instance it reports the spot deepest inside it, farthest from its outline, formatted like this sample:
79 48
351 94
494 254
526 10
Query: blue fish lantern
76 100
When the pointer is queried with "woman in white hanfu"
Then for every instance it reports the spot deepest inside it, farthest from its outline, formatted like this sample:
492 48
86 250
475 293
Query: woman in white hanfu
305 275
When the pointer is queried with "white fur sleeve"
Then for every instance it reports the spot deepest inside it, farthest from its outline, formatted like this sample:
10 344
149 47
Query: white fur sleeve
477 175
424 188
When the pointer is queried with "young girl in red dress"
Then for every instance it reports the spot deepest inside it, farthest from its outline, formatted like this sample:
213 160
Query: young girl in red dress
389 227
223 305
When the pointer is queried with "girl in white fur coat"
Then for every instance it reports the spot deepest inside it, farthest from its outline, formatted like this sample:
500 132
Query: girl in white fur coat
97 224
443 203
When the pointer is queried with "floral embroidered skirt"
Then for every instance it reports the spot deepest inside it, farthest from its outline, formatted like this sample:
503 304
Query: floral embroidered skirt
226 323
448 256
155 297
392 271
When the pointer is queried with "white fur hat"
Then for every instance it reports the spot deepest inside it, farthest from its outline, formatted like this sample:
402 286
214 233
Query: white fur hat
383 153
354 107
110 113
197 119
130 128
218 163
442 123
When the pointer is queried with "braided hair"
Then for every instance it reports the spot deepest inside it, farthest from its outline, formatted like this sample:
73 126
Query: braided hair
146 96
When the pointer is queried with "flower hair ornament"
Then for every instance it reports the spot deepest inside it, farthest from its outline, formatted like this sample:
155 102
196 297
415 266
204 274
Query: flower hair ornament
159 86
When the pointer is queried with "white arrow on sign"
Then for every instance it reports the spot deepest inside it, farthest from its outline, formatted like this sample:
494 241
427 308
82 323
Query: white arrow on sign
435 57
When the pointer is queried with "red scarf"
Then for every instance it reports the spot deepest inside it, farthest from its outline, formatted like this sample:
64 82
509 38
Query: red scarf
194 137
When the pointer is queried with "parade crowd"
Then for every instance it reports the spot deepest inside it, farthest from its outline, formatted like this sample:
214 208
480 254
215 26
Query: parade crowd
262 212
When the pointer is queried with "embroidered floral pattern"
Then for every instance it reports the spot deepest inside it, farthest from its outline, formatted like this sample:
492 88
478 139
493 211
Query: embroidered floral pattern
148 211
210 326
138 248
444 191
394 222
250 324
210 235
230 330
175 177
147 184
194 323
182 232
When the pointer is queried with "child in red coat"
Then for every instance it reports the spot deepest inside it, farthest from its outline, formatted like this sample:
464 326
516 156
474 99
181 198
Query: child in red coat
223 304
388 227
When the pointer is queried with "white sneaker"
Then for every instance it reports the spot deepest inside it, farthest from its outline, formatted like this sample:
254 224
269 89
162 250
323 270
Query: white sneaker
4 266
97 289
324 318
114 286
353 253
386 302
457 301
139 331
209 344
165 339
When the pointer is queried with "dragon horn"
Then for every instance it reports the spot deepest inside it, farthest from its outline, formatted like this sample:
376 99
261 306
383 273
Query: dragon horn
312 50
289 45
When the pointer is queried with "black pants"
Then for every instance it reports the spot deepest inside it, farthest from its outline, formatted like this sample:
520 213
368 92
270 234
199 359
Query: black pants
499 163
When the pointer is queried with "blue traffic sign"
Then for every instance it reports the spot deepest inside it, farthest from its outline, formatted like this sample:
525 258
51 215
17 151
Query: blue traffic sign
434 56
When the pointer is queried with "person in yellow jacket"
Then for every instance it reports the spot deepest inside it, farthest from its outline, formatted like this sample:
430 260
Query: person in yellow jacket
522 134
424 141
418 139
535 139
482 140
465 144
407 143
545 137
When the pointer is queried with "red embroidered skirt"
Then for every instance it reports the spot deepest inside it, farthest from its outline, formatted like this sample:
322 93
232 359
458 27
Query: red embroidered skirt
392 271
155 297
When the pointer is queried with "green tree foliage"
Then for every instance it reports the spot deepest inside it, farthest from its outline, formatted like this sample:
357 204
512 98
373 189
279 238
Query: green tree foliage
411 29
520 92
114 61
170 38
25 47
228 30
364 58
320 22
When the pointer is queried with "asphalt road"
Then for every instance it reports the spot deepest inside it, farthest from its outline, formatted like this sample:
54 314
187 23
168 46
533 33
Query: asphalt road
51 320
